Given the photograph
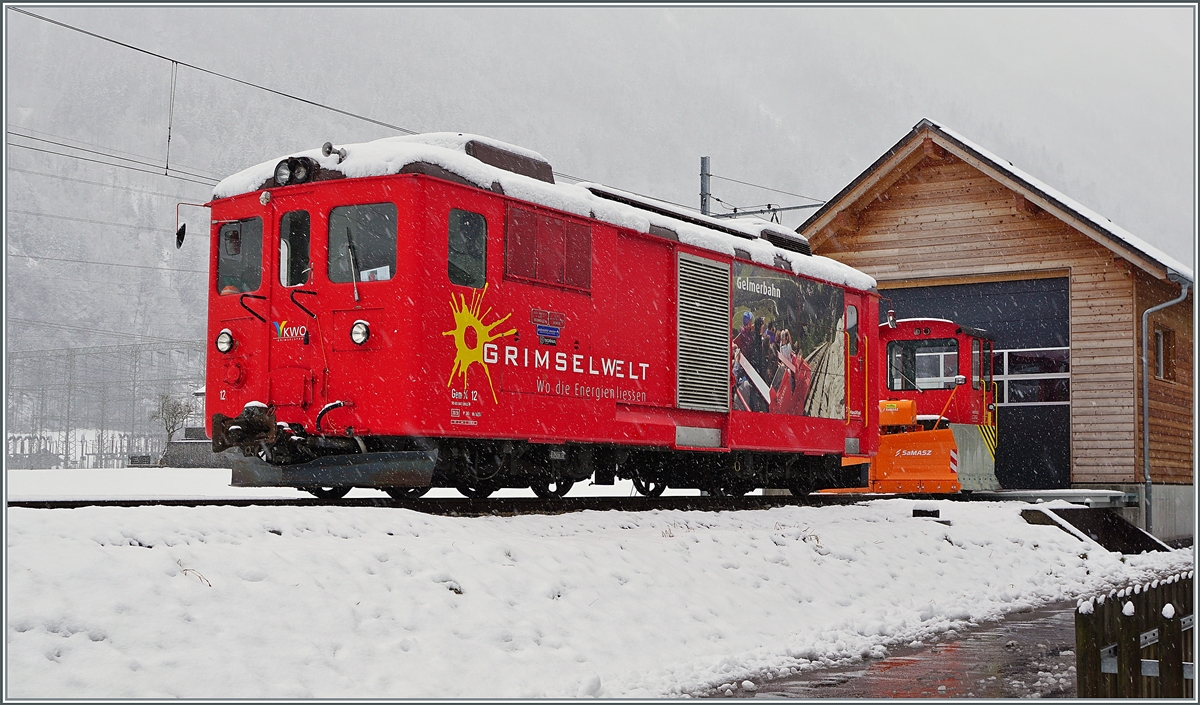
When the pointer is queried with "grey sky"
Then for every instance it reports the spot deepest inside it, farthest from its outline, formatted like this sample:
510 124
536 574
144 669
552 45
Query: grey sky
1097 102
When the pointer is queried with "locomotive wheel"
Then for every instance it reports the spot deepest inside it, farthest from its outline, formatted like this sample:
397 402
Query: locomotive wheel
327 492
648 488
549 490
406 492
802 488
480 491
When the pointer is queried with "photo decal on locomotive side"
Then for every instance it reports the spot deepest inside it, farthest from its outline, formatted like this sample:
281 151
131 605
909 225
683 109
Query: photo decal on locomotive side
788 351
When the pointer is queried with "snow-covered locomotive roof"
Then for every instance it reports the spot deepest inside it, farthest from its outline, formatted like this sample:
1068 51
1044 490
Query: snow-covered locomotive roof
451 151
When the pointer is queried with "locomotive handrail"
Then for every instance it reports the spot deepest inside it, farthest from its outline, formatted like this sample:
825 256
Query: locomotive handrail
242 301
990 415
326 409
846 362
866 381
944 408
299 305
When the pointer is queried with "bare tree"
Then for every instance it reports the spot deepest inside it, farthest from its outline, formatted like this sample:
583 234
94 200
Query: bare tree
173 413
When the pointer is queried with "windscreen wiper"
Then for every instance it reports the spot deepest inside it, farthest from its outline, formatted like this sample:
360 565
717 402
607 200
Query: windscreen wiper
353 262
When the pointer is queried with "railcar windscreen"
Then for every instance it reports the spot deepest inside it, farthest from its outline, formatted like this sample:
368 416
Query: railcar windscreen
294 265
239 256
468 249
922 364
362 242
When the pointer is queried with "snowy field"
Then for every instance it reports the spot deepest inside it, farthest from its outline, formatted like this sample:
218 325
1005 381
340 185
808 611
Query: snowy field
304 602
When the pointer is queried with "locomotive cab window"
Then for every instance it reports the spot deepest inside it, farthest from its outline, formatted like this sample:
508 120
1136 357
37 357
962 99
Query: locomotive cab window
922 364
547 249
467 265
239 256
294 266
362 243
852 329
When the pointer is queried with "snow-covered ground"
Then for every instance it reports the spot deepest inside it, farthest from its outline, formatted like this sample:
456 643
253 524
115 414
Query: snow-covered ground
329 602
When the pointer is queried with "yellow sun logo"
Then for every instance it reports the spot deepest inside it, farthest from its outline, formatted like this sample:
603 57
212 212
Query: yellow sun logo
471 334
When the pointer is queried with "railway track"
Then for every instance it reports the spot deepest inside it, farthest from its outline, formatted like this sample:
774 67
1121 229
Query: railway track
482 507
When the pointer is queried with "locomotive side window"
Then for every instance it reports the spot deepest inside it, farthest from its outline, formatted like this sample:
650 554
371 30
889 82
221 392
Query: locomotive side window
362 242
468 249
293 248
551 246
548 249
852 329
578 265
922 364
976 364
239 256
520 243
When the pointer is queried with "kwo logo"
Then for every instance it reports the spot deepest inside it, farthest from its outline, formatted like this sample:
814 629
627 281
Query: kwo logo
285 332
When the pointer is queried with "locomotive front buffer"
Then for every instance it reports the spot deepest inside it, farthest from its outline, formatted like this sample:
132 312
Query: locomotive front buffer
277 454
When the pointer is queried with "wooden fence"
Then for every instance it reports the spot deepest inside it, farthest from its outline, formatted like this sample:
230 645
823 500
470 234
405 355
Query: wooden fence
1137 642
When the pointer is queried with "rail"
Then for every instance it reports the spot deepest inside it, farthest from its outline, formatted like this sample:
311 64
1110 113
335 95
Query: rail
480 507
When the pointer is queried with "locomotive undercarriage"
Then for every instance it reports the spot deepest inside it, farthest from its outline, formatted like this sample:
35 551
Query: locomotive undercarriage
278 454
407 467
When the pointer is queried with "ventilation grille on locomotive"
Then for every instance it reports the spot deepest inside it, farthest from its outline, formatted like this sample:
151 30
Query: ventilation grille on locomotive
703 364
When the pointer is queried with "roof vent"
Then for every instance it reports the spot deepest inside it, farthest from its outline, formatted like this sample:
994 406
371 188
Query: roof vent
511 161
786 240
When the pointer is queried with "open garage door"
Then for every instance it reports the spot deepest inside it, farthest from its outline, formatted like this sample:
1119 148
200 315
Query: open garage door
1029 320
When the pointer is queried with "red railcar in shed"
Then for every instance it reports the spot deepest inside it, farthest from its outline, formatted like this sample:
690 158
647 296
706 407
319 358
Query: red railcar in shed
436 311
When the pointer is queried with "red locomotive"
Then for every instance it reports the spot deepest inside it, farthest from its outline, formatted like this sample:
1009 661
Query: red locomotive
435 311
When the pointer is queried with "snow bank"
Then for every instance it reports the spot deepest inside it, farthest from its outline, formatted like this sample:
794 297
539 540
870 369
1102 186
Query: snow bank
323 602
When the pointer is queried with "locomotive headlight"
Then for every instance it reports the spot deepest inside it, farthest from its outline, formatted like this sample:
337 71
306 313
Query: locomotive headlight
302 169
359 332
283 173
299 169
295 170
225 341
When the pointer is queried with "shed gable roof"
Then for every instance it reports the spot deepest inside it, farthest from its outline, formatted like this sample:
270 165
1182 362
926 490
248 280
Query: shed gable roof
927 137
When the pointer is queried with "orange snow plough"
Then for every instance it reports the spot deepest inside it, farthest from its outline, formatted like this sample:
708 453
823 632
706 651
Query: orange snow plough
910 458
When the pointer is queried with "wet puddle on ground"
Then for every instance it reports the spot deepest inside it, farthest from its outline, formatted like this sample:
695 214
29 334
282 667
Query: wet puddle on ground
1028 654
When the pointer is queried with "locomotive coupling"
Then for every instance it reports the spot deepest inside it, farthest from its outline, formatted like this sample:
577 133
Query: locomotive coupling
255 424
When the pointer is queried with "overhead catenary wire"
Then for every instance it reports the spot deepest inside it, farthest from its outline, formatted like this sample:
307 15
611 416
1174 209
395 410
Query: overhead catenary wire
26 128
211 182
84 220
106 264
765 188
177 63
168 346
214 73
114 187
107 154
94 330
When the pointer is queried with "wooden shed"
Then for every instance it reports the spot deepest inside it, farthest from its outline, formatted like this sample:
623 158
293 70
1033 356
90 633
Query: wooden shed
950 230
